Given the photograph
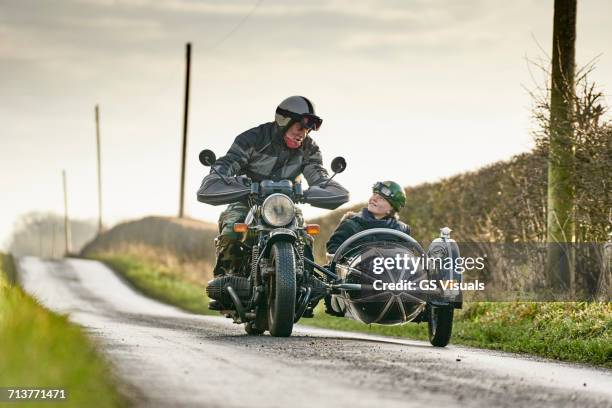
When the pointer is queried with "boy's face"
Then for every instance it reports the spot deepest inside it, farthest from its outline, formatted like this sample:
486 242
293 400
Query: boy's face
378 206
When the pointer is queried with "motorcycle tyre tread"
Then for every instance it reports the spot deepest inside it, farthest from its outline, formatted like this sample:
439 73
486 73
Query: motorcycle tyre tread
286 282
444 325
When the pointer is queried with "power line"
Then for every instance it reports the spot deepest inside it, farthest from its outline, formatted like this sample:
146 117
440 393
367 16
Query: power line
236 27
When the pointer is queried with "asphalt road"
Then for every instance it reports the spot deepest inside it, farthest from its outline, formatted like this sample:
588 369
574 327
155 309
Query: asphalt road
166 357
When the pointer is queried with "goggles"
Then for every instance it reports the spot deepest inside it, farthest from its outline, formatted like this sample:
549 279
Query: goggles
311 122
306 120
382 189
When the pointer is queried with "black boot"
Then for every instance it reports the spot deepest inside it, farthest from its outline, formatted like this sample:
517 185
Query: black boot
229 259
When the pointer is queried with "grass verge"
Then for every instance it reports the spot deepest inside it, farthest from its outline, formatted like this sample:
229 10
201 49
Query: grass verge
159 282
578 332
41 349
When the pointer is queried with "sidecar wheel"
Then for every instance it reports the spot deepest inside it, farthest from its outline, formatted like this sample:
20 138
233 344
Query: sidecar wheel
440 325
281 291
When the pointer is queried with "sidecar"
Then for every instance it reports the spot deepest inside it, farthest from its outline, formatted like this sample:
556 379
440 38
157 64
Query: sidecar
394 281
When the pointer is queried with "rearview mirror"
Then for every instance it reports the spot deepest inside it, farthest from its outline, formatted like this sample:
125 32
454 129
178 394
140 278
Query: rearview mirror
338 165
208 158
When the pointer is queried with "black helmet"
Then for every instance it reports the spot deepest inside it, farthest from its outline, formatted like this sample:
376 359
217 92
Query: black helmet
297 109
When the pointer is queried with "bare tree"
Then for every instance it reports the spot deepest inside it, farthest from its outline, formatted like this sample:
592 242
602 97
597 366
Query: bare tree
35 234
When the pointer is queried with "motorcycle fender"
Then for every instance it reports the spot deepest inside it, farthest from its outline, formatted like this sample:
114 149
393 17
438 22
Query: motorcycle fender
279 234
438 302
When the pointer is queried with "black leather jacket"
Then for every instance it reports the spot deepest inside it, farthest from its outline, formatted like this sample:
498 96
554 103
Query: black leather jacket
261 154
357 222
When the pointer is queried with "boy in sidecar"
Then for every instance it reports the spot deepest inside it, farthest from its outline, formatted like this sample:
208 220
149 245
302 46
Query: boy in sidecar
393 305
387 199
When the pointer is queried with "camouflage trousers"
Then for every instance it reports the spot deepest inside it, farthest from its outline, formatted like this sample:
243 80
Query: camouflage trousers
227 243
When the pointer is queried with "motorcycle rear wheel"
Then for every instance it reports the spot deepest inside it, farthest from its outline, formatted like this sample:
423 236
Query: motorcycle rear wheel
282 290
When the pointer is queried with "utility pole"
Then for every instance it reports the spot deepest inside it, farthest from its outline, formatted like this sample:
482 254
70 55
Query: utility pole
67 237
99 170
560 217
185 118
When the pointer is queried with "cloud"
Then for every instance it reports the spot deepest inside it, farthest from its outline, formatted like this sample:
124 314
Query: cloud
322 28
368 9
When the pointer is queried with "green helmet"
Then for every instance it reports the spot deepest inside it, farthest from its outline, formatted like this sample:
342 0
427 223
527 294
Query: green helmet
392 192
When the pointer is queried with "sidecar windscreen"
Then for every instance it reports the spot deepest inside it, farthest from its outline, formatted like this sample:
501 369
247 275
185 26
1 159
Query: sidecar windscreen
390 275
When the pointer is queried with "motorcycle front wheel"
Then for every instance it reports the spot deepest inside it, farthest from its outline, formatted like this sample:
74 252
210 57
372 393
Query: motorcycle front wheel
282 290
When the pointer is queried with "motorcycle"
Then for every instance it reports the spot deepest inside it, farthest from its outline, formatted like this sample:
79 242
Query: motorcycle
273 286
278 282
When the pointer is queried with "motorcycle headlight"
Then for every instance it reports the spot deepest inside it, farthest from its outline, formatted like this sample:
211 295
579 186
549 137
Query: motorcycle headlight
278 210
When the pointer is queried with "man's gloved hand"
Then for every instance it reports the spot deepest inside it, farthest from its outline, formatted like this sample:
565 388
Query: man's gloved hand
218 191
244 180
323 187
328 195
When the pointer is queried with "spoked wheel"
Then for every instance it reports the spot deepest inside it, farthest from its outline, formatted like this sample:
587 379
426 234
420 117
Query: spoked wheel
440 324
260 324
281 290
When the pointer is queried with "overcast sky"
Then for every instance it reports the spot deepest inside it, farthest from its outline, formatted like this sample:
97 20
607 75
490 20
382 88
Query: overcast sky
410 90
